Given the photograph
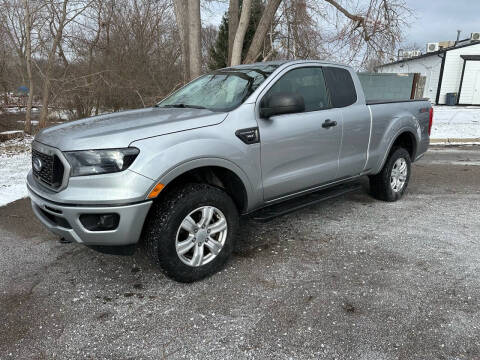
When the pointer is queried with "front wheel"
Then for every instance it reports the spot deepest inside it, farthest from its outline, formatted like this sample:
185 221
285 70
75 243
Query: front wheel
190 232
390 184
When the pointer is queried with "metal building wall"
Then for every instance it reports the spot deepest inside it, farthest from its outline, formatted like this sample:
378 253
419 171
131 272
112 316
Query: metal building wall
428 66
452 73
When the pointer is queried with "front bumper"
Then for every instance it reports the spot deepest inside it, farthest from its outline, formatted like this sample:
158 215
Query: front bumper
64 220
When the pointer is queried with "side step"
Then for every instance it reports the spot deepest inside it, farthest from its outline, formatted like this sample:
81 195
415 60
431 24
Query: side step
286 207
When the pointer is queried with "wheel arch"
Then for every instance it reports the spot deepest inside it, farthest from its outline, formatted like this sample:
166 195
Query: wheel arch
404 138
216 172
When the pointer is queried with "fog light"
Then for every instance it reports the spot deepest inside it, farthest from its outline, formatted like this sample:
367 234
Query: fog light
100 222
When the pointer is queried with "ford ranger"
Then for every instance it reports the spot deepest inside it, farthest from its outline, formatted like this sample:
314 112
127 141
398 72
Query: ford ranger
178 175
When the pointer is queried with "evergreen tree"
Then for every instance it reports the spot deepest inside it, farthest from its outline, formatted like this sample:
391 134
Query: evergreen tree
219 52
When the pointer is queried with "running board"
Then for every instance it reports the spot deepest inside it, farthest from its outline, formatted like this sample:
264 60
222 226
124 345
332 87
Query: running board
286 207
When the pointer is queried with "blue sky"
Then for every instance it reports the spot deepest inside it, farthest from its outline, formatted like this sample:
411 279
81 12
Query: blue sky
434 20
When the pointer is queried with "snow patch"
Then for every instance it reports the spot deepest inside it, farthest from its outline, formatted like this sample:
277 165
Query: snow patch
63 115
15 162
455 122
11 132
34 122
13 171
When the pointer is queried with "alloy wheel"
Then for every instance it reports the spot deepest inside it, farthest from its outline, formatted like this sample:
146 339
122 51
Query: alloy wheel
201 236
398 176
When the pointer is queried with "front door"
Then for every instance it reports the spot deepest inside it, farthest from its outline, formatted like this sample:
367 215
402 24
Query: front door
470 91
297 152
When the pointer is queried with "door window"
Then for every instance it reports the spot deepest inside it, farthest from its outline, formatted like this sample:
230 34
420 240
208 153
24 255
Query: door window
307 82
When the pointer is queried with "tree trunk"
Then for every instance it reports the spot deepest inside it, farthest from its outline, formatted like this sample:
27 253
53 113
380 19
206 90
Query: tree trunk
256 46
233 10
48 72
240 35
28 58
181 16
195 38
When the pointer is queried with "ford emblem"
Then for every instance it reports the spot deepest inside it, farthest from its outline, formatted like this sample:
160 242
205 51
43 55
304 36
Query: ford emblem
37 164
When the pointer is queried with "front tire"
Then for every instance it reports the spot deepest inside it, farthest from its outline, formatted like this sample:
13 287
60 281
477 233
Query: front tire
190 232
392 181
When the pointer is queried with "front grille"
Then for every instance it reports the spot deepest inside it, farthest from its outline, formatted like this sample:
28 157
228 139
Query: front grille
50 171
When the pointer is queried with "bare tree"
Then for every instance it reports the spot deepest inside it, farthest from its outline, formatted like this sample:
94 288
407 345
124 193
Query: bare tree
12 20
268 15
5 65
60 14
182 16
195 38
236 57
28 21
19 20
233 15
368 30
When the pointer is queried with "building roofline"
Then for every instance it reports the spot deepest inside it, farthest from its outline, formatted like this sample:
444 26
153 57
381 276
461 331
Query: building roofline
470 57
430 54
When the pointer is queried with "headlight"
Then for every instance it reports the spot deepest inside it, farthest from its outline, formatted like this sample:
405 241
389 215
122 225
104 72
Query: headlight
93 162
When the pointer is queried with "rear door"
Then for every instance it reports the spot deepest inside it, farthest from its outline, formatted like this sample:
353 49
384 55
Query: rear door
297 153
356 119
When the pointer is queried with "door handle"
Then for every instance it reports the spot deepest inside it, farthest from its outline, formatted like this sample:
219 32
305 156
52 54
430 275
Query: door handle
329 123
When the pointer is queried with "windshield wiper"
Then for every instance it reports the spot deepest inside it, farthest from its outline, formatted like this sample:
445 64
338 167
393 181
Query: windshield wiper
183 106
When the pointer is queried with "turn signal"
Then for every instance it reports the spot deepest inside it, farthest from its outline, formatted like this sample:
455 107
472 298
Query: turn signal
156 190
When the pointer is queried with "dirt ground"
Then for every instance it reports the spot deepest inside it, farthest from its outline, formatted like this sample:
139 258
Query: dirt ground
350 278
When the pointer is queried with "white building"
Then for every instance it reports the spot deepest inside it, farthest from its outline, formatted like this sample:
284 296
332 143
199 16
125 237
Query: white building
450 70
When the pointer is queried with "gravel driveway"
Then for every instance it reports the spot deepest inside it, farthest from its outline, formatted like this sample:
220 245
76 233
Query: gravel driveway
350 278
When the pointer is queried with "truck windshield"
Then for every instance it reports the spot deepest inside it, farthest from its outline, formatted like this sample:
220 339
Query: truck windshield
221 90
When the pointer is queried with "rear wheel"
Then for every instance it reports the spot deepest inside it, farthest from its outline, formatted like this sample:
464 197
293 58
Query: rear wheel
390 184
190 232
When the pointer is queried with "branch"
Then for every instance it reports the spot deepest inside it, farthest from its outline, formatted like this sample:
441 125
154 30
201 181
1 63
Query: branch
360 20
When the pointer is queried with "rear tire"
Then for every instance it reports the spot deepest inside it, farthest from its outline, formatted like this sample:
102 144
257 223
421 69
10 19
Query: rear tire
392 181
190 232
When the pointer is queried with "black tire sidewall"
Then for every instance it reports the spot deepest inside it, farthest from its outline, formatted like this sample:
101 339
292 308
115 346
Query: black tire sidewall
396 154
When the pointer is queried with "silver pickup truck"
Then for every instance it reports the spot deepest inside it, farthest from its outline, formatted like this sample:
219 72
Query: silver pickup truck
178 175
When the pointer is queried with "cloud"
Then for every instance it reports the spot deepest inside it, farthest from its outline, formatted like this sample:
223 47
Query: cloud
439 20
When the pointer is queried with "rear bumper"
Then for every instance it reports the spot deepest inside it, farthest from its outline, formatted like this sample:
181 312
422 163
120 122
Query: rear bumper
64 220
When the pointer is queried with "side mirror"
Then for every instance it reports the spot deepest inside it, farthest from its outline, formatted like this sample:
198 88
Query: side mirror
281 103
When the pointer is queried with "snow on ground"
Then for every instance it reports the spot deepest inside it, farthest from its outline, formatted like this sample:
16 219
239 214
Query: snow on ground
63 115
456 122
15 162
34 122
9 132
17 110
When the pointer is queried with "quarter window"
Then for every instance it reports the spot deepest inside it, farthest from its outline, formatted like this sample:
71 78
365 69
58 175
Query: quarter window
341 87
308 82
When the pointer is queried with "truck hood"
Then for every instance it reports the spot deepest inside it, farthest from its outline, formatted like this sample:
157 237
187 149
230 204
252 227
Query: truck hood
117 130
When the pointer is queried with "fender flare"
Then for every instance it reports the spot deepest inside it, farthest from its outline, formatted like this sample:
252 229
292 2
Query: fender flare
192 164
400 132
